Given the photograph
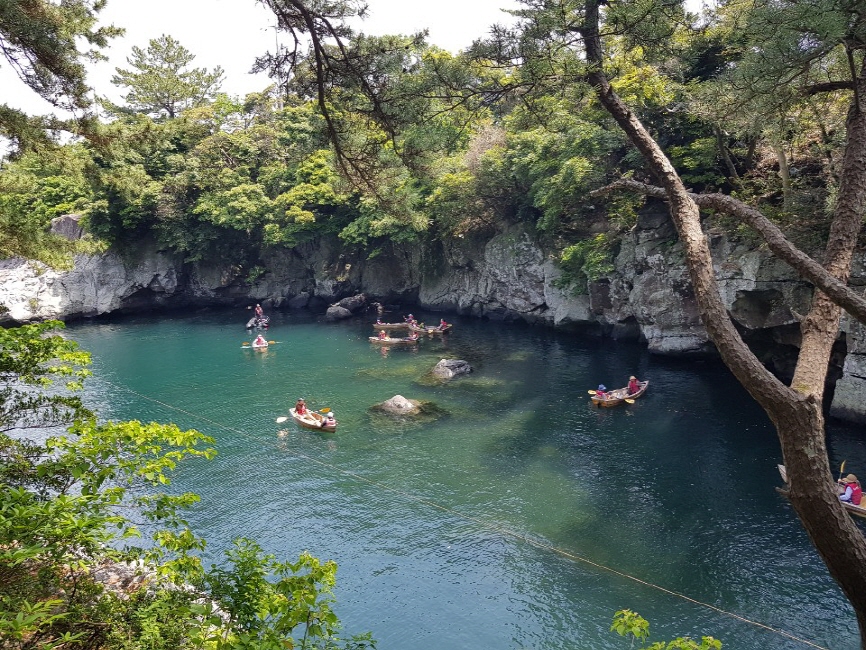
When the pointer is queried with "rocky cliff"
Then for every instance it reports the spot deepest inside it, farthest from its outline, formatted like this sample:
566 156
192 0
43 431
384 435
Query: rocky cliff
507 276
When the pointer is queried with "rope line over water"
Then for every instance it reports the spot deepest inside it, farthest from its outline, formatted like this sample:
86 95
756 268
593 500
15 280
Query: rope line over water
505 532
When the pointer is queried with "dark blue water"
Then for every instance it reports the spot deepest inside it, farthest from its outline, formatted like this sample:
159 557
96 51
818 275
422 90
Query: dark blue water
522 518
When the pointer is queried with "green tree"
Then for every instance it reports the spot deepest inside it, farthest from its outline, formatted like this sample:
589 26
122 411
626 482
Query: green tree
33 190
41 41
160 82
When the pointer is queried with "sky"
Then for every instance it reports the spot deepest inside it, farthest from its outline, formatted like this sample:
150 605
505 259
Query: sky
231 33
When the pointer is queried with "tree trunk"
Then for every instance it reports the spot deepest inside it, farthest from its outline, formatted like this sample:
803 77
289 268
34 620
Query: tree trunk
795 411
784 172
724 153
831 529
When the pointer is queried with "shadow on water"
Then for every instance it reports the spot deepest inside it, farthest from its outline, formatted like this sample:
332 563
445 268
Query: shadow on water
522 516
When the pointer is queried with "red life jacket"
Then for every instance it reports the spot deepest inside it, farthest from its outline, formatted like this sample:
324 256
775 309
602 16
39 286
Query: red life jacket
856 494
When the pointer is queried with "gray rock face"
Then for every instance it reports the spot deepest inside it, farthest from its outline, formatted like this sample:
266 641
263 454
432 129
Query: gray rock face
450 368
508 276
849 399
67 226
96 285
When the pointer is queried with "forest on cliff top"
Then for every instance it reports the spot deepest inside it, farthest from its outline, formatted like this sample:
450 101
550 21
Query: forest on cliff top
408 142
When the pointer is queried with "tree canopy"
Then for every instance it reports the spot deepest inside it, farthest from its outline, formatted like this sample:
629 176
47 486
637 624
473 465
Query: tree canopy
41 41
160 81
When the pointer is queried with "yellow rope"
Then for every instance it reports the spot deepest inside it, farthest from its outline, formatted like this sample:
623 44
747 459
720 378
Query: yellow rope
484 524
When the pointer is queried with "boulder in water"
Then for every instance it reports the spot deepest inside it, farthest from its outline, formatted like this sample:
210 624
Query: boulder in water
352 303
337 313
450 368
399 405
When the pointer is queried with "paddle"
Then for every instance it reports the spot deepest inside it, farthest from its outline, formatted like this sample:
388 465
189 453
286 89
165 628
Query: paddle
841 469
591 392
629 401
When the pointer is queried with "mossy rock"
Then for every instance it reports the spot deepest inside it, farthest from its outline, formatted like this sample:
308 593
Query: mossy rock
409 411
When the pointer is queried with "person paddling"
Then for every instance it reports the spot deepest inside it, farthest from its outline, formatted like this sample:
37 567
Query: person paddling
633 385
853 493
301 406
328 420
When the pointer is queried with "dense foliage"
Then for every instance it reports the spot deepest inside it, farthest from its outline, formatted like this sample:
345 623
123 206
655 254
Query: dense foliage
413 143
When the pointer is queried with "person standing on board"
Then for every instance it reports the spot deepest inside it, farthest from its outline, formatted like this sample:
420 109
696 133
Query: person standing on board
853 493
260 313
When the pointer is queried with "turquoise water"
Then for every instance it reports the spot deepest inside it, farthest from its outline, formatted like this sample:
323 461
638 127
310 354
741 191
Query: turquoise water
522 518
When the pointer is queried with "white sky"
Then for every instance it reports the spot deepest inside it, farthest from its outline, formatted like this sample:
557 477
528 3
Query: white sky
231 33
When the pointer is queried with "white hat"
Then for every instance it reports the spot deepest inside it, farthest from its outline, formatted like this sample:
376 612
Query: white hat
331 415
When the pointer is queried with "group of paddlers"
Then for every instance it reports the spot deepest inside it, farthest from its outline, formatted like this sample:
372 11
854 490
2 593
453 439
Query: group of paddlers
634 387
410 319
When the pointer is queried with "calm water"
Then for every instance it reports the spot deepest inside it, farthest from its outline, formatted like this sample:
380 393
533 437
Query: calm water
524 518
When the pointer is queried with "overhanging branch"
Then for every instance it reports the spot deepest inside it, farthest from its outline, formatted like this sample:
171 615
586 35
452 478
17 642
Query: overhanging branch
776 241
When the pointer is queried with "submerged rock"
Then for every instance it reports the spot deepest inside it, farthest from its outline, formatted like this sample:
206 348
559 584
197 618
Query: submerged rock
401 412
399 405
450 368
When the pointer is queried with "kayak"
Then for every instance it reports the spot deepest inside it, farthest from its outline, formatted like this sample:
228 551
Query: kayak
312 420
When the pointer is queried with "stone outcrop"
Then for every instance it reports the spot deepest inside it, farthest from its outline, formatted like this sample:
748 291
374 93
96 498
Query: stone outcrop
96 285
68 226
504 276
346 307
